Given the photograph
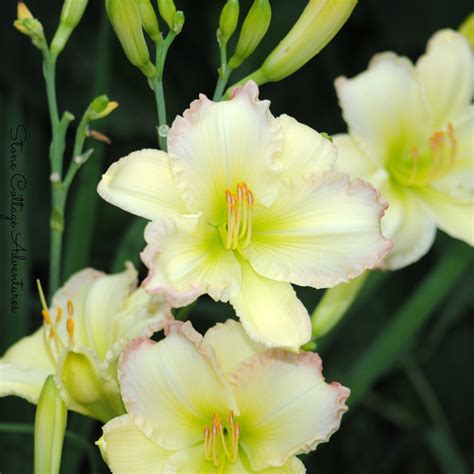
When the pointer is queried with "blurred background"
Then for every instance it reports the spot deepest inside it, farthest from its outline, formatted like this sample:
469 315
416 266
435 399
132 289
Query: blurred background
405 347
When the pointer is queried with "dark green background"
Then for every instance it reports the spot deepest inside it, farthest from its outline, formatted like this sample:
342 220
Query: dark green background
417 417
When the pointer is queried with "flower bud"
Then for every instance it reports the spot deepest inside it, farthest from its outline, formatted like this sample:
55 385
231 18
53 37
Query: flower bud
100 107
317 25
255 26
50 427
127 23
228 21
178 22
86 389
30 26
149 20
467 29
71 15
167 12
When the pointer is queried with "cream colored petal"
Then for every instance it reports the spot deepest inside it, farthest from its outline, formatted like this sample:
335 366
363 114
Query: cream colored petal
76 289
384 107
141 183
319 232
351 159
126 449
270 311
459 181
407 223
192 460
304 151
286 407
24 368
216 146
446 73
171 388
453 216
186 258
231 344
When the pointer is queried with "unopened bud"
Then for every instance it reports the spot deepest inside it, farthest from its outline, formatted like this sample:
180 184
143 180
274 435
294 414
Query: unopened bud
255 26
467 29
167 11
317 25
100 107
178 22
228 20
71 15
149 20
50 427
127 23
30 26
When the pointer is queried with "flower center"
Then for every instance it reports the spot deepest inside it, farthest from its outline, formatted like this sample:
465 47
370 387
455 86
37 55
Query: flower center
221 442
236 232
432 161
52 339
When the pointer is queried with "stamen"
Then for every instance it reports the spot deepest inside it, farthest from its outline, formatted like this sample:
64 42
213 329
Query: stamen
217 447
70 322
239 216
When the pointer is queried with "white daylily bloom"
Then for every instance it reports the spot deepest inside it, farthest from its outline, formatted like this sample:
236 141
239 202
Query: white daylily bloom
90 320
244 205
193 405
411 134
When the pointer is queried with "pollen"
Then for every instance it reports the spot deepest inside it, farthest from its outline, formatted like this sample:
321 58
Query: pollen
221 443
238 229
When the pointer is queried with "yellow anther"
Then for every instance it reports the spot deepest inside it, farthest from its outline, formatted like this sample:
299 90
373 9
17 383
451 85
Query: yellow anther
70 308
238 229
58 316
46 317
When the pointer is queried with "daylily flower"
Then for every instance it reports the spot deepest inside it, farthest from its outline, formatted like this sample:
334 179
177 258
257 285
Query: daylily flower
411 132
218 404
91 319
243 205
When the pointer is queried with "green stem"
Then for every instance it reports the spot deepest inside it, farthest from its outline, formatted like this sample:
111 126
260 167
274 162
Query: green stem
161 52
403 327
224 73
24 428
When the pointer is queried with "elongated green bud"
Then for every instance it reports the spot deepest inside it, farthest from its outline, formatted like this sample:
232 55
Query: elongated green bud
30 26
334 304
127 23
167 10
255 26
71 15
228 21
50 427
317 25
467 29
149 20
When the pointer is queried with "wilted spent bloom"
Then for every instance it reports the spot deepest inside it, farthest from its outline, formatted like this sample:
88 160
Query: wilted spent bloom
100 107
30 26
219 404
317 25
71 15
50 427
244 204
253 30
411 130
228 21
127 23
91 318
